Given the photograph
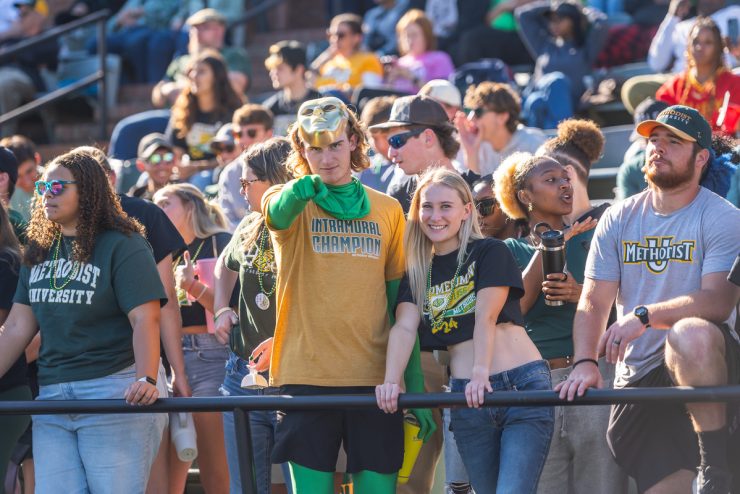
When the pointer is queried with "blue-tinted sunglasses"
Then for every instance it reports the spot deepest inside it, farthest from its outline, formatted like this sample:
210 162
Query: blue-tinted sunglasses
156 159
55 187
399 140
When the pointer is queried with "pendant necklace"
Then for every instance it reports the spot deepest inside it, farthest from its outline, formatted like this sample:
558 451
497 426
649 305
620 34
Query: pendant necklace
438 321
263 262
55 263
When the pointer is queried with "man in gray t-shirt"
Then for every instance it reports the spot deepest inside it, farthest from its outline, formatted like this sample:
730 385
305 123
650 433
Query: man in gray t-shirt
664 256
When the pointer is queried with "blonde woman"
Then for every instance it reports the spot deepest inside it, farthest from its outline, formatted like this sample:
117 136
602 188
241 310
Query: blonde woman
203 227
461 293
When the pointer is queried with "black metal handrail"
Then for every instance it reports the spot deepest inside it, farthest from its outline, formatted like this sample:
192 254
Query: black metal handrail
241 405
98 18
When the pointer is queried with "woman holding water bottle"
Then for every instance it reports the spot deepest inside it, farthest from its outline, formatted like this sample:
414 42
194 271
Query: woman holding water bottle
461 293
89 285
203 227
547 190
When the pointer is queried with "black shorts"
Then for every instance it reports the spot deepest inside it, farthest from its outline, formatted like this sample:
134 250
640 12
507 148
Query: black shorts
653 441
372 439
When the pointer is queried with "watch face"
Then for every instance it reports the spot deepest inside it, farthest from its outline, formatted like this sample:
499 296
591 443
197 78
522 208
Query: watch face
641 311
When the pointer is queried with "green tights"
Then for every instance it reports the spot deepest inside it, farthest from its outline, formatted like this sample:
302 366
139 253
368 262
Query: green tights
308 481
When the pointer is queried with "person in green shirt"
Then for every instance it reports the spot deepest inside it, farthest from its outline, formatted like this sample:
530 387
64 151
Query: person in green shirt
89 284
250 257
552 188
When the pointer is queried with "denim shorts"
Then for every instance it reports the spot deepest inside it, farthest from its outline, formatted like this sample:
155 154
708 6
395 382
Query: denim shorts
504 448
205 359
78 452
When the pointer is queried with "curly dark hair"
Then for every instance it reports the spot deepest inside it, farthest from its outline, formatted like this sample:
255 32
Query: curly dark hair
186 104
99 210
579 143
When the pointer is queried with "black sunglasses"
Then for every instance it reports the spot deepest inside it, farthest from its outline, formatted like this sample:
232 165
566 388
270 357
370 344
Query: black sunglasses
338 34
486 206
478 112
399 140
252 133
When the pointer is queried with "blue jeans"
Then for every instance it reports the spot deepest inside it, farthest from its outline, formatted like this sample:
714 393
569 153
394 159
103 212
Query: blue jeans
549 102
262 426
80 453
204 363
504 448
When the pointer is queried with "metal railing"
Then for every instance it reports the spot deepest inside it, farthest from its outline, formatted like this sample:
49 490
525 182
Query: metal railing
241 405
97 18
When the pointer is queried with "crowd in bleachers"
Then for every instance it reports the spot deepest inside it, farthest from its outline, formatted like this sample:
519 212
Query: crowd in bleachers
377 224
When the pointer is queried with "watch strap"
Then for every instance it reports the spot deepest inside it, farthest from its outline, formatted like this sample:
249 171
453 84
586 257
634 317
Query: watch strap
147 379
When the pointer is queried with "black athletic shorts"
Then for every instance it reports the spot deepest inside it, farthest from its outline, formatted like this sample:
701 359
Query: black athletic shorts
652 441
373 440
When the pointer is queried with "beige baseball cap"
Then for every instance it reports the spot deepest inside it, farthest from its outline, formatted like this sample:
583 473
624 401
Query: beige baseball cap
442 91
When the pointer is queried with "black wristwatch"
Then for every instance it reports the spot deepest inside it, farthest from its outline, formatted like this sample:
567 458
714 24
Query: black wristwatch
641 312
147 379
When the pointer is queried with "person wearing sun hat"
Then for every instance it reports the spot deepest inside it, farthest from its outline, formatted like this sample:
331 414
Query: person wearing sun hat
324 225
664 255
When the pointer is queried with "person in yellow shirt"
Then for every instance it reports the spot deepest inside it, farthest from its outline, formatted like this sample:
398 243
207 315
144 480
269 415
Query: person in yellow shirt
338 247
343 65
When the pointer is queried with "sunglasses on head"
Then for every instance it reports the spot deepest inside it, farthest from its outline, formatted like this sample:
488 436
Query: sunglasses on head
156 159
399 140
246 183
55 187
485 206
251 133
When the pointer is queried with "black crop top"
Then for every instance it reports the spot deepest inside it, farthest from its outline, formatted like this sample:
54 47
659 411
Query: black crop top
489 263
195 315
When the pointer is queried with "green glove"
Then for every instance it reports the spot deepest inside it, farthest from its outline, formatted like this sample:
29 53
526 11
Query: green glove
414 379
308 187
426 423
285 208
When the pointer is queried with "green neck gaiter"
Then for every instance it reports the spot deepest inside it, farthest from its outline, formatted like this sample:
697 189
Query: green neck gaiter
345 202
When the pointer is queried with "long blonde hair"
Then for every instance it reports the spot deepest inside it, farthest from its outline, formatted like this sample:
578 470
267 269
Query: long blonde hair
417 245
206 218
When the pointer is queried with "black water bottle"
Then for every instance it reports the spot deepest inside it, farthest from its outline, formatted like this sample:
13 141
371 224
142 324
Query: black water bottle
552 244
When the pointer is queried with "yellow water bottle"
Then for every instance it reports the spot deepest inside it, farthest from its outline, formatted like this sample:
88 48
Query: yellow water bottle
411 446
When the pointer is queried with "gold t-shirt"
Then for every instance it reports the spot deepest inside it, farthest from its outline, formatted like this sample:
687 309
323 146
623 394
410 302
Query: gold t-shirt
332 320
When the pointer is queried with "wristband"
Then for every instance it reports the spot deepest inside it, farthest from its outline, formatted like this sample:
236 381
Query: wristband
147 379
221 311
593 361
202 291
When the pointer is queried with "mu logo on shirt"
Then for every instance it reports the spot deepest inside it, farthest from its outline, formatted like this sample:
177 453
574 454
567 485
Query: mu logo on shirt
657 252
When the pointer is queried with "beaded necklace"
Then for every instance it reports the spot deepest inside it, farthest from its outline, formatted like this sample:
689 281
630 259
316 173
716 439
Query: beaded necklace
438 321
192 259
263 261
55 261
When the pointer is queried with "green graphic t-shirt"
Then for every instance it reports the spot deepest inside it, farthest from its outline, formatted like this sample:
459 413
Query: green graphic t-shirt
85 331
551 327
255 324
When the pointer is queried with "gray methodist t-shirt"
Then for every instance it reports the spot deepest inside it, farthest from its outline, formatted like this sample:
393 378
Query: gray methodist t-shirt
657 257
